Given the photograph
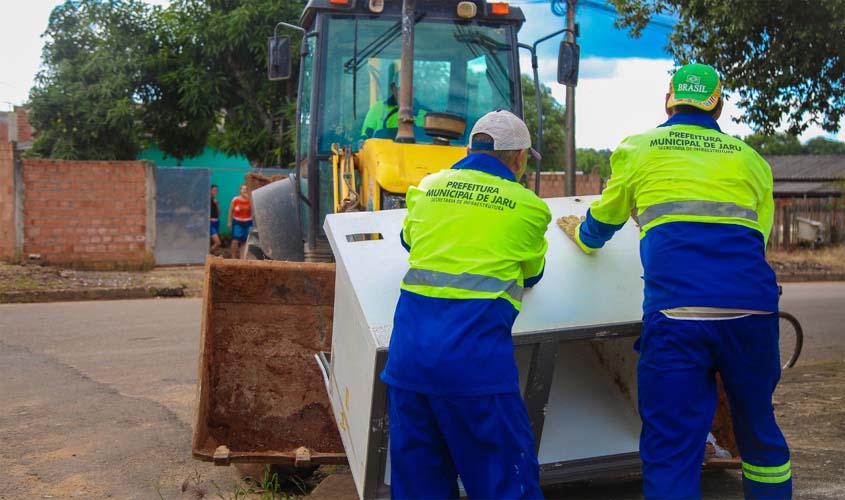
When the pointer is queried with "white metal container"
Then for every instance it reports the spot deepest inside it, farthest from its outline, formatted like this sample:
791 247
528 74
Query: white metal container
809 230
573 343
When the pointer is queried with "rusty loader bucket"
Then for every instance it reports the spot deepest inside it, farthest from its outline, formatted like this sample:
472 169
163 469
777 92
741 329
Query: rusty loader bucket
260 395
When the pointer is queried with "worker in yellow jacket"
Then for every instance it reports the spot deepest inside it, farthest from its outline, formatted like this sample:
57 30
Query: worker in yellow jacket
476 239
382 119
703 201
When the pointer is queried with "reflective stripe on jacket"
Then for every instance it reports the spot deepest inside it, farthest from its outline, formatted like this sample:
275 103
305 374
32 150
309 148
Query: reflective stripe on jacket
704 204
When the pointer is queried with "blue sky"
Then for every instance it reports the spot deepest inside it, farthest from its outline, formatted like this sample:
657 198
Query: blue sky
620 91
622 80
598 37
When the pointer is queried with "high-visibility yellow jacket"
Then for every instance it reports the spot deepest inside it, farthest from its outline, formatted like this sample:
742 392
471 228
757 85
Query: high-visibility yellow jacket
476 239
703 200
384 116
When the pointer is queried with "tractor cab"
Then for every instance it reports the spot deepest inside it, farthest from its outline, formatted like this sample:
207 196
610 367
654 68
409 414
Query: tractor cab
465 64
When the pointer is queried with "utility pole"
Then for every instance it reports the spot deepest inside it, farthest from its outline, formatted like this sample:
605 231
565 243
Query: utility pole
570 107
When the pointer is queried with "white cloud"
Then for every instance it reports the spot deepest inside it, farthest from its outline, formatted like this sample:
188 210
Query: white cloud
616 98
20 47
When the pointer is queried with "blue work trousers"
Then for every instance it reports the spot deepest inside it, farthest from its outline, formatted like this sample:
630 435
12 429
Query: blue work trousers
677 400
486 440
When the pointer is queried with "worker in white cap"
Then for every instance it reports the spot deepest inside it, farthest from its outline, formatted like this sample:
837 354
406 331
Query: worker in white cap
476 239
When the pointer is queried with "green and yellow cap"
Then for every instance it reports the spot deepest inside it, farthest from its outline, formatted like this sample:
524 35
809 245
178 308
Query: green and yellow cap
695 85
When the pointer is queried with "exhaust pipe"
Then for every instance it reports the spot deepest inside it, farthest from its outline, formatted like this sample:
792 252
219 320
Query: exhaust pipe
406 76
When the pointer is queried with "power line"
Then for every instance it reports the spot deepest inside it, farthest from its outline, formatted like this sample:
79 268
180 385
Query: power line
559 9
611 12
602 6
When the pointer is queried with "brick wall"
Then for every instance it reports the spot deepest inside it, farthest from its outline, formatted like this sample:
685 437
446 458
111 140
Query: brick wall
87 213
24 129
553 184
8 251
4 128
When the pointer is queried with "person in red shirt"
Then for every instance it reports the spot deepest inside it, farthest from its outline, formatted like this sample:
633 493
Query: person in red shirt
240 220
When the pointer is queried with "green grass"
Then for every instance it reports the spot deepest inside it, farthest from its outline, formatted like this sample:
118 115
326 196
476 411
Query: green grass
268 488
24 283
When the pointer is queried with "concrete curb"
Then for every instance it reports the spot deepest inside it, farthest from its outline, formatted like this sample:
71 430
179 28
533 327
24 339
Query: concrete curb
31 296
806 277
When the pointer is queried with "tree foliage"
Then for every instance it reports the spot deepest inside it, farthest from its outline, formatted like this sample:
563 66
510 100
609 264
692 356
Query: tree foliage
775 144
782 143
554 133
120 72
593 160
784 58
823 146
84 102
210 72
554 124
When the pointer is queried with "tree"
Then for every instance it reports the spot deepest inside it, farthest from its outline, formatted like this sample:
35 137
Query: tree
554 124
210 80
783 57
775 144
590 160
554 133
785 144
84 101
823 146
120 72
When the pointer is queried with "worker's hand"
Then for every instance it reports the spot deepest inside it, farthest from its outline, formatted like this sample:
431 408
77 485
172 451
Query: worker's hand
569 224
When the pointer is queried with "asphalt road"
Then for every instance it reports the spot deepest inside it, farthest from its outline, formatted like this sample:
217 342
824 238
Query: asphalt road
820 308
96 398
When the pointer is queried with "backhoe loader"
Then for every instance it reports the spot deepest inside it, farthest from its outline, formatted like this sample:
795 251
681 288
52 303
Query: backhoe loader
435 67
431 69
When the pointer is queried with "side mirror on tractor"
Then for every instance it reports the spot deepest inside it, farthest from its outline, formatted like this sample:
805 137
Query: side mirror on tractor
567 63
278 58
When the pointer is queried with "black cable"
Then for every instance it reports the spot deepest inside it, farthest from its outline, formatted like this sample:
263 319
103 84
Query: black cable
558 8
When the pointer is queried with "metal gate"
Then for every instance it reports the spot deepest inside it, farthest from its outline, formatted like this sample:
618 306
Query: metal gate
182 215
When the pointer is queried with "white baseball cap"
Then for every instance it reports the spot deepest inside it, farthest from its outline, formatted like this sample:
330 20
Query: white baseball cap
508 131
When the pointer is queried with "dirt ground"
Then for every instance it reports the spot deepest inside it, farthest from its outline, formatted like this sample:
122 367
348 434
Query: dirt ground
806 264
37 283
809 403
809 408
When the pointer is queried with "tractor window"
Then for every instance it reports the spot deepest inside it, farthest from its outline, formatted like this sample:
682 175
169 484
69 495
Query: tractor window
305 126
484 93
305 101
464 69
431 83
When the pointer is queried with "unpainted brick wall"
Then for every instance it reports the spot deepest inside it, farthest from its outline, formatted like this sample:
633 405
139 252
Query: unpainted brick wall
4 128
86 213
7 200
553 184
24 132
